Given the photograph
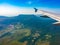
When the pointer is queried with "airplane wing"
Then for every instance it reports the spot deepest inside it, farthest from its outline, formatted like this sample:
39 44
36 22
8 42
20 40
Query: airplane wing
51 15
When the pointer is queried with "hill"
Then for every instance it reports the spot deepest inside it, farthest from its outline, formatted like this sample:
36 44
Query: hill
28 29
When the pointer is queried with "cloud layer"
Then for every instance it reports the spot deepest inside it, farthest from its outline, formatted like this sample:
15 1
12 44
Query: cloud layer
10 10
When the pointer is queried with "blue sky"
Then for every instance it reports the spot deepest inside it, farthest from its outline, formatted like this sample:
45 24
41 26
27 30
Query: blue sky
34 3
50 5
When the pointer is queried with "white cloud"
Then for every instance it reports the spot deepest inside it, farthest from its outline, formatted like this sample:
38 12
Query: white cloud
9 10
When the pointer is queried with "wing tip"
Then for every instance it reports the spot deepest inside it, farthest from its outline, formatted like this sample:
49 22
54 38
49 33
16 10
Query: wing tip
56 23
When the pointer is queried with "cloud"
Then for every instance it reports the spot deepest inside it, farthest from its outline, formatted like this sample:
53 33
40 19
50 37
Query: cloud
9 10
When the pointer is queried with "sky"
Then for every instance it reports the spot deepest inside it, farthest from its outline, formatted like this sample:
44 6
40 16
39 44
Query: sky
16 7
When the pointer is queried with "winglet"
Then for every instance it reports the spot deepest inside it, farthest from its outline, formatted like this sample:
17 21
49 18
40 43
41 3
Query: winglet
36 10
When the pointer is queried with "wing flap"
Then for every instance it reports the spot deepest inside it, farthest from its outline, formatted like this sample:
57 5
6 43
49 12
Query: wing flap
45 16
